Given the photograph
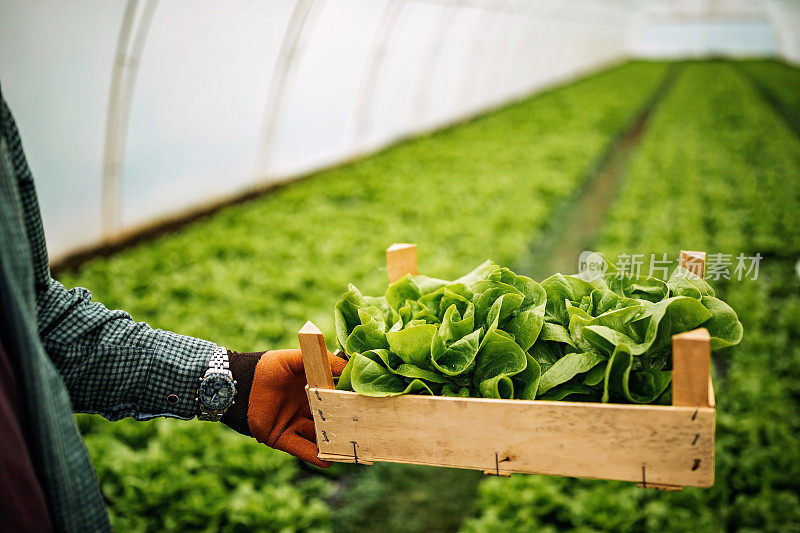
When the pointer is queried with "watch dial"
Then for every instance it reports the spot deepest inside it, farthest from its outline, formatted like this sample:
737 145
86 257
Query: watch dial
216 392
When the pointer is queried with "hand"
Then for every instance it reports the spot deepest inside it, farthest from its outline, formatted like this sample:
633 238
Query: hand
278 414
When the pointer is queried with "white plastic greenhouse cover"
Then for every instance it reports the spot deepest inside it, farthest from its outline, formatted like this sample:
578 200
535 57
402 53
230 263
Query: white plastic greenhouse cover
131 112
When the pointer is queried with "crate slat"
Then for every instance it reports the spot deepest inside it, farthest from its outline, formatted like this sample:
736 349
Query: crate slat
606 441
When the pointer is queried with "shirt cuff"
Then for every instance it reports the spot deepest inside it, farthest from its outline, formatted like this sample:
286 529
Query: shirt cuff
172 379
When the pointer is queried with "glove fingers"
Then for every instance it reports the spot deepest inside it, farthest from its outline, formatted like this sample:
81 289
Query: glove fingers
294 361
304 449
305 428
337 364
263 404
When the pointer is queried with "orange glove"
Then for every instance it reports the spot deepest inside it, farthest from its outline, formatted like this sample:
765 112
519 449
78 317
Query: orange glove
278 414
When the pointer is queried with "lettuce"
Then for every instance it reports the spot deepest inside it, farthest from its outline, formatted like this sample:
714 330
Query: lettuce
495 334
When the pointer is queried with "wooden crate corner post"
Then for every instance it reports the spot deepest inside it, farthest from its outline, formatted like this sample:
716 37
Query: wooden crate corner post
317 367
315 357
401 259
691 352
691 366
694 262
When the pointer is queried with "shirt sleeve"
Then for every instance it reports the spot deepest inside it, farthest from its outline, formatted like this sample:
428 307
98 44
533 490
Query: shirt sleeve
110 364
115 366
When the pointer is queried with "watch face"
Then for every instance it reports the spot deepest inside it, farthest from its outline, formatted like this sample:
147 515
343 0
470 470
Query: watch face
216 392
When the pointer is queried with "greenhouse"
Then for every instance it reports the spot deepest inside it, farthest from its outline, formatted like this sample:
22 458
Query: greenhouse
229 173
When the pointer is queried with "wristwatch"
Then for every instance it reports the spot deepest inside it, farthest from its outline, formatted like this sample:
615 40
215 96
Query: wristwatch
217 388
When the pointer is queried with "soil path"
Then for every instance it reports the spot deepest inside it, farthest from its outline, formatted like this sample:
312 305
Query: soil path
567 235
789 114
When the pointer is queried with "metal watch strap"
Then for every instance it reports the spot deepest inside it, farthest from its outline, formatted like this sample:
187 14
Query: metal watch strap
218 360
217 364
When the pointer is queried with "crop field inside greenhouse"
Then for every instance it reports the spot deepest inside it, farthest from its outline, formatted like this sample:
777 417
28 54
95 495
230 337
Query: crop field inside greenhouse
645 157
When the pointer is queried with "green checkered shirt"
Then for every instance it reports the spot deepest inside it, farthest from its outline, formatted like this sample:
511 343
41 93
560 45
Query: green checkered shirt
73 354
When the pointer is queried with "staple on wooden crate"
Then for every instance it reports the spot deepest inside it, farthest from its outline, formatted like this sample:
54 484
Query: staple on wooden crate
497 462
643 484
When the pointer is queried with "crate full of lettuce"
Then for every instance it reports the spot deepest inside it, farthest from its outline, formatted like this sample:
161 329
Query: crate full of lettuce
494 371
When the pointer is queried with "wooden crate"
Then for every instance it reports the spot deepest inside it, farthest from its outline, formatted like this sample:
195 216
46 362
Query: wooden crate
664 447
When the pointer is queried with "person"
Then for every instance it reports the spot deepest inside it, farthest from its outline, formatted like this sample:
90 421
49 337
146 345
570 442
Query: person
60 353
